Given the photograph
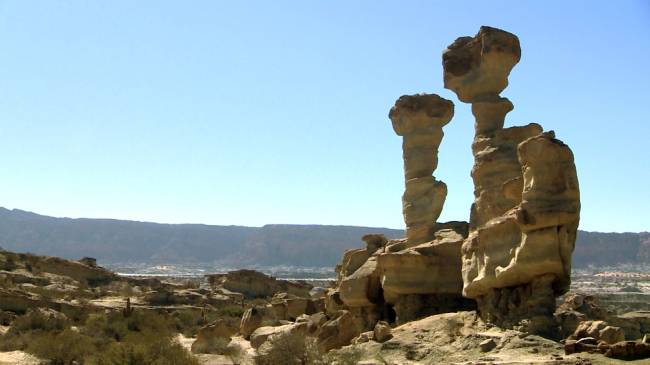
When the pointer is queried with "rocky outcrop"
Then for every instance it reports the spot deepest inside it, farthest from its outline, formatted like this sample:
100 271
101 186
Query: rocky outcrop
525 215
84 272
404 279
339 331
600 331
254 284
513 258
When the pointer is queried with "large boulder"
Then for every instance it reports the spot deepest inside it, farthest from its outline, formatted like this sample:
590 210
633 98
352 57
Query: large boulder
339 331
600 331
255 317
262 334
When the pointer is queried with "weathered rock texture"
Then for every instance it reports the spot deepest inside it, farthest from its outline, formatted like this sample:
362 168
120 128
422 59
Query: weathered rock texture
404 279
419 120
525 215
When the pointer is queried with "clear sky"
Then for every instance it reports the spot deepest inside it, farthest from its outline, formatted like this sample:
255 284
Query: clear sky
247 113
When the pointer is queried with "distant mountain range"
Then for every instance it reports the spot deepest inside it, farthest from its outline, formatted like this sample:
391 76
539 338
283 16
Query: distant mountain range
112 241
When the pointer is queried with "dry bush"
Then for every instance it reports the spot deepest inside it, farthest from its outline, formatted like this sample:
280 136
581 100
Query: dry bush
144 338
290 349
65 348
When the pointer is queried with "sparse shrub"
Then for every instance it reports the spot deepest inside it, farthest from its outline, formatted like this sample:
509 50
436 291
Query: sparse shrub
6 318
344 356
290 349
188 322
7 262
65 348
231 311
143 338
39 320
145 348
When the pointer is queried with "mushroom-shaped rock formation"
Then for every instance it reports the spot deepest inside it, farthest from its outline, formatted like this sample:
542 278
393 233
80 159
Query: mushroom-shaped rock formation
525 215
478 68
419 120
401 280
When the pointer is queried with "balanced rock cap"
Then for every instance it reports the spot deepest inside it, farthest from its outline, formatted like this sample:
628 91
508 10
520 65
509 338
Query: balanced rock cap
420 113
477 68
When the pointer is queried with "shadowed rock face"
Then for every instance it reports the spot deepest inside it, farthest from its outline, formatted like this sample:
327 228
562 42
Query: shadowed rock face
525 215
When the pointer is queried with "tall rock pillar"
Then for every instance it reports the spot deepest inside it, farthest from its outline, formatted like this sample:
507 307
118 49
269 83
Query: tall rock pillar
419 120
525 215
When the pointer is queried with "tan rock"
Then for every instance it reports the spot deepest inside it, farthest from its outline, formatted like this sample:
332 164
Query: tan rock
629 350
432 267
262 334
289 307
214 337
338 332
254 284
600 331
419 120
374 242
333 302
478 67
255 317
382 332
351 262
362 288
524 219
364 337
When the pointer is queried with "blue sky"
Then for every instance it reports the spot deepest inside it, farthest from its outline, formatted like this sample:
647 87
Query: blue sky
250 113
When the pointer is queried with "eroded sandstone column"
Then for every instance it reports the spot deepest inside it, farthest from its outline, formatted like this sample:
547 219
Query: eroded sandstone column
419 120
524 219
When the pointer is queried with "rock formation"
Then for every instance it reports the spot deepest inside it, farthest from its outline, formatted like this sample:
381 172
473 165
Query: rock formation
525 215
404 279
419 120
512 259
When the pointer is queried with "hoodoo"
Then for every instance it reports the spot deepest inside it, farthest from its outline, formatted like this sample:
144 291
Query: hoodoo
525 215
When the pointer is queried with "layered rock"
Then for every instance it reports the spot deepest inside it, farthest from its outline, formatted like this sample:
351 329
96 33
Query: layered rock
525 215
401 280
419 120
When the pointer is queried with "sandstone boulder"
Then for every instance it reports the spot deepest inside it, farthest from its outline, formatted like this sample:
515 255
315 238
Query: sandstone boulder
362 288
382 332
600 331
338 332
260 335
255 317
